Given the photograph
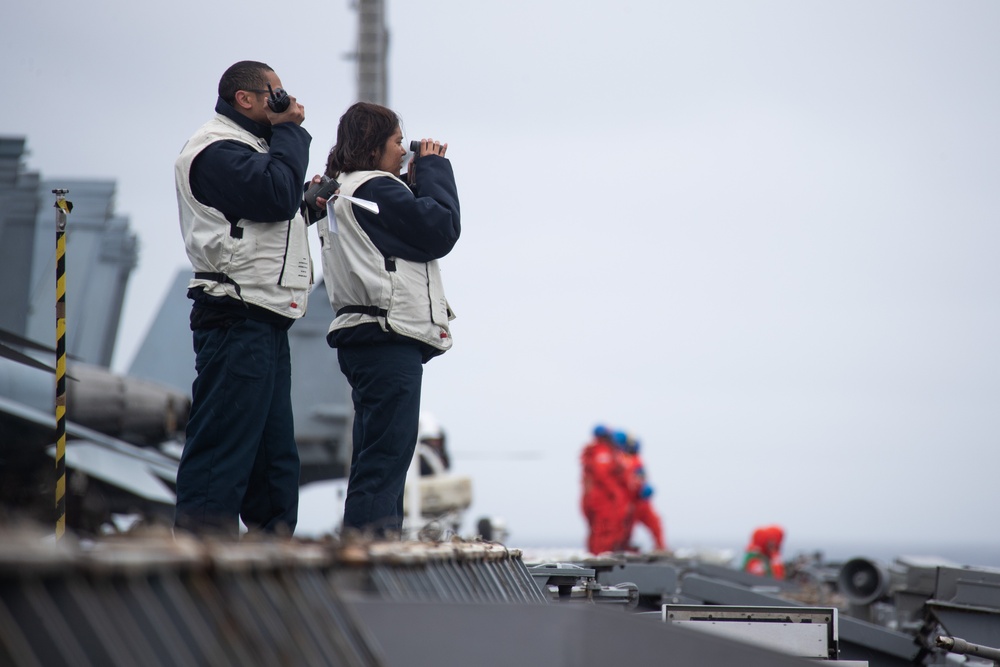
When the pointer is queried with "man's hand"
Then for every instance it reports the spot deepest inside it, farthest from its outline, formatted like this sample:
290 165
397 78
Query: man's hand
295 113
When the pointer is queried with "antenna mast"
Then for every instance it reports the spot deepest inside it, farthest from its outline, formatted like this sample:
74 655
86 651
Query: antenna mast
372 51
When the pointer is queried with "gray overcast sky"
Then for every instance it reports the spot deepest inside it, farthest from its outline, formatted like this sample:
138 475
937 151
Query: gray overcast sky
761 235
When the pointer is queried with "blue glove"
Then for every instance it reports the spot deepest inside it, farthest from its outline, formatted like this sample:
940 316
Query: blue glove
646 492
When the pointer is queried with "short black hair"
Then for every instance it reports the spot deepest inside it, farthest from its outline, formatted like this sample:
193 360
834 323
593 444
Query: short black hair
244 75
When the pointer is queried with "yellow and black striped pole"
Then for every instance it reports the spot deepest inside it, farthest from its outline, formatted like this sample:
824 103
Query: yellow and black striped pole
63 207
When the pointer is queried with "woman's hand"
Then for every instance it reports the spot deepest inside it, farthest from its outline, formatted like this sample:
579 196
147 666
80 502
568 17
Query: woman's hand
431 147
320 201
427 147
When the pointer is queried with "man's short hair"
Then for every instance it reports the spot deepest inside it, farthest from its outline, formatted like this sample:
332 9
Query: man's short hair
244 75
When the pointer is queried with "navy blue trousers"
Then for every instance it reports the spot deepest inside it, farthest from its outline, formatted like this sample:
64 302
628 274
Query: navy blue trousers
240 459
385 382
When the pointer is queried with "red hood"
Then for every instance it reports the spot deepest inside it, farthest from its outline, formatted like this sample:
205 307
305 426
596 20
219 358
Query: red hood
768 539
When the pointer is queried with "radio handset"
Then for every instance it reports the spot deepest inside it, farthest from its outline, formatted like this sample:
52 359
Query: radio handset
278 99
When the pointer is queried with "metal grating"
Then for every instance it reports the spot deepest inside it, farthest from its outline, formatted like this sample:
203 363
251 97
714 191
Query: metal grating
452 572
165 602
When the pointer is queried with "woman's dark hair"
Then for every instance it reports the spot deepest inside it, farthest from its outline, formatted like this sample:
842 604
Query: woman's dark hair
244 75
361 136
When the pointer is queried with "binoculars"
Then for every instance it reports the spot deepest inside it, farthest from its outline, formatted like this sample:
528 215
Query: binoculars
278 99
324 189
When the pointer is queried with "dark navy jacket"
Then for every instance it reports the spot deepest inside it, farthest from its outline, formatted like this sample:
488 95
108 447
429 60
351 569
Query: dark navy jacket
244 183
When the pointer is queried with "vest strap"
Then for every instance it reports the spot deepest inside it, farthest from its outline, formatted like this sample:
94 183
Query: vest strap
374 311
221 278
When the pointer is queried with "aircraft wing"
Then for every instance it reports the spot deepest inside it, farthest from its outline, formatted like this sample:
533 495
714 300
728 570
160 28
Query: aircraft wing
23 358
142 471
124 471
11 338
8 338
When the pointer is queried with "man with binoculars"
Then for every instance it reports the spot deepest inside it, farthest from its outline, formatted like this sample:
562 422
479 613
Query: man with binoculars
239 189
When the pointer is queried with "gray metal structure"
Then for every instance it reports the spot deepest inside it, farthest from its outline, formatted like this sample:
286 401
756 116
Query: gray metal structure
808 632
962 647
966 602
890 617
372 52
19 206
101 251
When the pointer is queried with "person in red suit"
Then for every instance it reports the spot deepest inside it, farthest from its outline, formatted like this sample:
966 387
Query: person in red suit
763 554
639 492
605 502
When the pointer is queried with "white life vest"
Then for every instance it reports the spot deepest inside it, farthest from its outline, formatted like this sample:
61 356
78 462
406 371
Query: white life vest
364 286
269 261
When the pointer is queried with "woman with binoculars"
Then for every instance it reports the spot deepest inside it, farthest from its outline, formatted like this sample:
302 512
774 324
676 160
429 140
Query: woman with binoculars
391 315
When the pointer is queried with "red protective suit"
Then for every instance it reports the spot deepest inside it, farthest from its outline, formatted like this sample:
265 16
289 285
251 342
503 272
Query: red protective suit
605 499
645 514
763 554
642 507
